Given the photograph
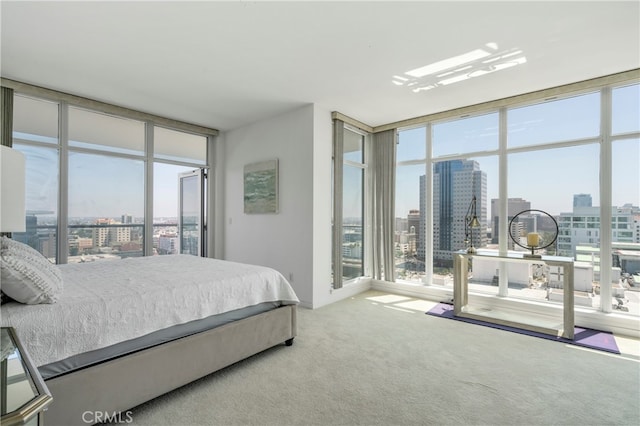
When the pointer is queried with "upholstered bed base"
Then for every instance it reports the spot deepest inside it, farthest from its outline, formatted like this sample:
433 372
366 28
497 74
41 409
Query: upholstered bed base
119 385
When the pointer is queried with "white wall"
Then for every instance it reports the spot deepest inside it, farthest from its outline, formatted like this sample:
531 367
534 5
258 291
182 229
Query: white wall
322 205
283 241
297 240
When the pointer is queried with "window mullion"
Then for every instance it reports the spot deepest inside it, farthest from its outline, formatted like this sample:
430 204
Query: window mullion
503 201
62 249
367 208
428 231
606 200
147 240
338 135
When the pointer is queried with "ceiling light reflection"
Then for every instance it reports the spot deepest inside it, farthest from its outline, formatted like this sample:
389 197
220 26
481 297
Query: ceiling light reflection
498 67
455 79
459 68
456 61
517 52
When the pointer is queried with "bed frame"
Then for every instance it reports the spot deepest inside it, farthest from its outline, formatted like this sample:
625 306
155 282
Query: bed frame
118 385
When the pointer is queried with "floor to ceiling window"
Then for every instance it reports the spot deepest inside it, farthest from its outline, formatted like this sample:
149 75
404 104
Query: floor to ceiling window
353 218
441 201
625 196
409 208
38 141
105 186
349 218
88 180
460 178
175 153
545 154
166 207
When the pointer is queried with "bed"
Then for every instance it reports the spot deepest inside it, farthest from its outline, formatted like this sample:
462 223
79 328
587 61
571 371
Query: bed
123 332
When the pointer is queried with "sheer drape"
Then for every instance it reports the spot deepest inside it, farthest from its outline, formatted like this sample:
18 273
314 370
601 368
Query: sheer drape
384 185
338 146
6 123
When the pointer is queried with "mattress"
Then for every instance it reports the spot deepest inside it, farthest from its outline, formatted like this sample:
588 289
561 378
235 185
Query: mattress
107 303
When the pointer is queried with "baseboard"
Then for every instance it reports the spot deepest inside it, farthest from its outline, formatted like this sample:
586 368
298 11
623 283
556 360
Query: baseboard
349 289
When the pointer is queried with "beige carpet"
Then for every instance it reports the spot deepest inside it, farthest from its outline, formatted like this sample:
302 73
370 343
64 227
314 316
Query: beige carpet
377 359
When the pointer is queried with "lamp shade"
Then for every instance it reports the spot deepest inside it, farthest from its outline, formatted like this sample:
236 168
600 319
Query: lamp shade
12 190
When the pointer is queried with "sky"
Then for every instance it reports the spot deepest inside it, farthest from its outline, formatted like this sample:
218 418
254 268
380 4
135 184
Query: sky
99 185
547 178
107 186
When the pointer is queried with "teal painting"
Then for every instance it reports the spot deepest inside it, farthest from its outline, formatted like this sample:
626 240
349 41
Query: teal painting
261 187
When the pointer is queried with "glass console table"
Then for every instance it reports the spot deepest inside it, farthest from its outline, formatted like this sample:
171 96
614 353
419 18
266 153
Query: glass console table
23 393
462 308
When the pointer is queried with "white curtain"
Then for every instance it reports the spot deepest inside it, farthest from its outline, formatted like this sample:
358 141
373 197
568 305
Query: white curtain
384 186
338 144
6 123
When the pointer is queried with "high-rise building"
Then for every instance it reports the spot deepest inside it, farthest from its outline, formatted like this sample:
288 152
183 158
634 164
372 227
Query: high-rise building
582 227
413 231
582 200
109 235
514 206
101 235
413 221
401 225
455 183
30 236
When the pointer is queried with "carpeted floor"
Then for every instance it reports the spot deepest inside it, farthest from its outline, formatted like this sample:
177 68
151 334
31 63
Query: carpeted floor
377 359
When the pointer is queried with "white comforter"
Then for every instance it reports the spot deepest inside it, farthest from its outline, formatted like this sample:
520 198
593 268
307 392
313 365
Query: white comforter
109 302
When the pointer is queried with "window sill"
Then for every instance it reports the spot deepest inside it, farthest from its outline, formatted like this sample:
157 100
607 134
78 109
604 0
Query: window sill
613 322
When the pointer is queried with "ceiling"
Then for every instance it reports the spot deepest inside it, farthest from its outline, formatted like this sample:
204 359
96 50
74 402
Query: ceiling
227 64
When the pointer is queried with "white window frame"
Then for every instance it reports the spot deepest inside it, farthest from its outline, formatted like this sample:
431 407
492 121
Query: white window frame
64 101
603 85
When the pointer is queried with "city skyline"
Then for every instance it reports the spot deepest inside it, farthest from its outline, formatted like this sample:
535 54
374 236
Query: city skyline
90 193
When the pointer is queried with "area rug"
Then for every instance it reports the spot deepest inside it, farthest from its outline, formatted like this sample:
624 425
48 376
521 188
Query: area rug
586 337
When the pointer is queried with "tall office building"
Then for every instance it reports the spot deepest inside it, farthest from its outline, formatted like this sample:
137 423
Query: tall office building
30 236
107 235
168 244
455 183
413 220
101 235
582 200
582 227
514 206
413 231
401 225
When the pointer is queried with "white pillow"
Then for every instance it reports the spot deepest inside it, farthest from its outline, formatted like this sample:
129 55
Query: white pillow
26 275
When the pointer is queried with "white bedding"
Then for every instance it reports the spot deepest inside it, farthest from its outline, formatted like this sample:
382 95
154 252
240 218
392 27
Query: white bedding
108 302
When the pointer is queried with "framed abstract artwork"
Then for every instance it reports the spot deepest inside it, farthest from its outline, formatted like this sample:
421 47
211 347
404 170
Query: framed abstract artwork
261 187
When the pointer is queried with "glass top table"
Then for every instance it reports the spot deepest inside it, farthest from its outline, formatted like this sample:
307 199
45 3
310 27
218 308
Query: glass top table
23 393
462 308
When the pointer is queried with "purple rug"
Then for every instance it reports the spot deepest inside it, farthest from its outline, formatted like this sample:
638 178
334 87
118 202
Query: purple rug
586 337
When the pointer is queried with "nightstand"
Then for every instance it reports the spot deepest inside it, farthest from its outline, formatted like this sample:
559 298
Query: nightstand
23 393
